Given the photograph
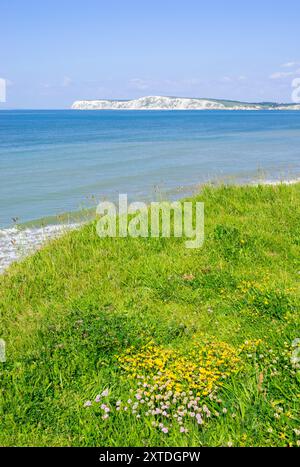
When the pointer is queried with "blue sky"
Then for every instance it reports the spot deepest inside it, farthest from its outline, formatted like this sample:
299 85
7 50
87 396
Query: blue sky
53 52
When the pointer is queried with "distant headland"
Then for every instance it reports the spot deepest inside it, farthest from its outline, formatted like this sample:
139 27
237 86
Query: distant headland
177 103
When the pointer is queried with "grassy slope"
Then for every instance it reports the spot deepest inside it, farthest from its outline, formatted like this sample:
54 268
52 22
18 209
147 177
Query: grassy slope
67 311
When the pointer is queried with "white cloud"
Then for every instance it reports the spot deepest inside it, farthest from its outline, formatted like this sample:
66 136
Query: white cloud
289 64
165 84
284 74
226 79
281 74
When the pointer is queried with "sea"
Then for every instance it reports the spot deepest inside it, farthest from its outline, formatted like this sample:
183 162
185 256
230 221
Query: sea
60 161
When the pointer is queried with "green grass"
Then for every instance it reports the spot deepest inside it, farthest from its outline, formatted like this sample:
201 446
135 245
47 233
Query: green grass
71 311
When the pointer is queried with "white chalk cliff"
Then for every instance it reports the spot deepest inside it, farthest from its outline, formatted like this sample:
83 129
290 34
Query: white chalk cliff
176 103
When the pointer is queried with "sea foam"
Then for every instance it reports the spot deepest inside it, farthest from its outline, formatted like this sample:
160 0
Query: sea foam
16 243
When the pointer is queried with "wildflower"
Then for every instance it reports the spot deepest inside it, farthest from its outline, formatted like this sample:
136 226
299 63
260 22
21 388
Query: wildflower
229 444
183 430
105 393
97 398
87 404
199 419
165 429
224 410
105 416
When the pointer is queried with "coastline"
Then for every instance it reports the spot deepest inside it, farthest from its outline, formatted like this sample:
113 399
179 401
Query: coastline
177 103
93 313
18 242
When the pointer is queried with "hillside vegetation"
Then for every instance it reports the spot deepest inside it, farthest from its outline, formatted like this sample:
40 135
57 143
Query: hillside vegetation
143 342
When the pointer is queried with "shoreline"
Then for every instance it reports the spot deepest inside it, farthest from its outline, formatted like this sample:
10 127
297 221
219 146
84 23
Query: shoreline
178 103
101 315
274 182
18 242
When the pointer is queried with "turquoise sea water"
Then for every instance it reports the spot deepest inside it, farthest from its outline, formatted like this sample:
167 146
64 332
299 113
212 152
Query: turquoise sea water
54 161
